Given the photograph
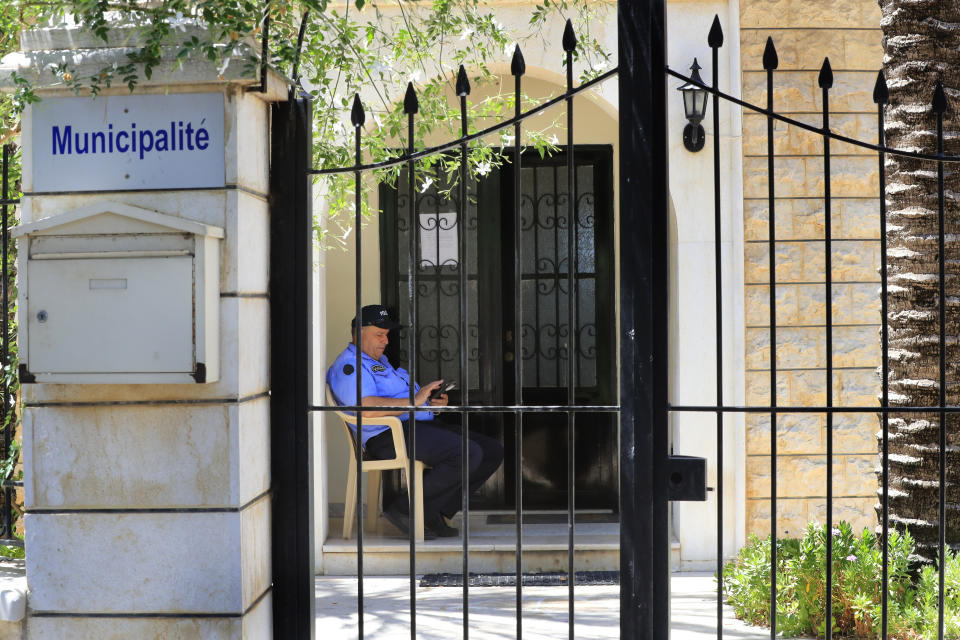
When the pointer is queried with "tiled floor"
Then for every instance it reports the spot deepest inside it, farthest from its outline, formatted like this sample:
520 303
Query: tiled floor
492 611
492 548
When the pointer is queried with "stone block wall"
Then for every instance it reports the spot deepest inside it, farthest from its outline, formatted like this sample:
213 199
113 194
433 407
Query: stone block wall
848 32
149 504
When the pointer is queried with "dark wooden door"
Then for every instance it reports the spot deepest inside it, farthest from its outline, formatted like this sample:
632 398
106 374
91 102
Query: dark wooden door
492 345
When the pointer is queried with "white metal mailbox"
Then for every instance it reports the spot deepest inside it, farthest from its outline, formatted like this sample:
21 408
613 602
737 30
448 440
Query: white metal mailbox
112 293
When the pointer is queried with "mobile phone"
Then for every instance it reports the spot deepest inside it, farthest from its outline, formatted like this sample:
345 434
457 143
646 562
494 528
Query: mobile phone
442 389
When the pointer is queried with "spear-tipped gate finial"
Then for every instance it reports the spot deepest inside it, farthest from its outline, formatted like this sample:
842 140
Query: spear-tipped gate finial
518 66
770 59
881 95
411 104
939 98
357 115
825 79
715 38
463 83
569 37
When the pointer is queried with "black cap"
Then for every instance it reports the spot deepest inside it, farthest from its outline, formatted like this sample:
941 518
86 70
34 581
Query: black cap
375 315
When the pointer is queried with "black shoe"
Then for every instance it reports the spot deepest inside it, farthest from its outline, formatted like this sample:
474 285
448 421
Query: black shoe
439 526
402 521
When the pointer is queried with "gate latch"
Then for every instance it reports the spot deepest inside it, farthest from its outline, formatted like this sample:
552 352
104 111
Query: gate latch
686 478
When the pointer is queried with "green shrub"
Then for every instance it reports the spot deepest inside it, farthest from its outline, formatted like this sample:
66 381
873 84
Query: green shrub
857 582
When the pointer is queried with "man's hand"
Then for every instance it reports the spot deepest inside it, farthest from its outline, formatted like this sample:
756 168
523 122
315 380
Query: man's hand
423 396
421 399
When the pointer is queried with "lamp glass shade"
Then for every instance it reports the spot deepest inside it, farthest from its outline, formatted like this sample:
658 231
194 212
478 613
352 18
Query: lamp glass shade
702 95
694 102
689 103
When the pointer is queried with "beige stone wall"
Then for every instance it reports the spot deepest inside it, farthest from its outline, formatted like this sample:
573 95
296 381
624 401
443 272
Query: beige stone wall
804 32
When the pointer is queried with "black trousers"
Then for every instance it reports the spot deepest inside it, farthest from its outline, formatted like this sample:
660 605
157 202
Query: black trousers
439 446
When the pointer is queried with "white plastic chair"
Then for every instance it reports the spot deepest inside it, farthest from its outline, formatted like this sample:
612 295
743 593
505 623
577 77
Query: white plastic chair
374 467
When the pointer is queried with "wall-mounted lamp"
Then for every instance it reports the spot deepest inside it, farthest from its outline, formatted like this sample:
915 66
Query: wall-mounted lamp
695 107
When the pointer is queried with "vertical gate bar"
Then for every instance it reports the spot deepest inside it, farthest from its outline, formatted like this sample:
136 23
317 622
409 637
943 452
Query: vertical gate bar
438 274
939 106
715 40
569 45
265 47
291 437
880 96
304 385
463 90
295 67
410 107
357 117
770 63
517 68
5 414
643 251
825 81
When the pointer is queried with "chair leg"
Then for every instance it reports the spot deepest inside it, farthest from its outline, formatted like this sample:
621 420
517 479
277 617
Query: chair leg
418 508
350 500
373 499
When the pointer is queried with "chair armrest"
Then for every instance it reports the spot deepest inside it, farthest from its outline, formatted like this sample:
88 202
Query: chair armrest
396 427
399 442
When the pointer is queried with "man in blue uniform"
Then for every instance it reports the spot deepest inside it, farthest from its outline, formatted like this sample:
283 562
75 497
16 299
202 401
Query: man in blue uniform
438 442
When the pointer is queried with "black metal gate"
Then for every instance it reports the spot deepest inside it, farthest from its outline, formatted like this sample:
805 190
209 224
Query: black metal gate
644 462
642 410
9 415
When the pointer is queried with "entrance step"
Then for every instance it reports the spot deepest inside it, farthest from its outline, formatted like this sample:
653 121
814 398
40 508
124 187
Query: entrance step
492 547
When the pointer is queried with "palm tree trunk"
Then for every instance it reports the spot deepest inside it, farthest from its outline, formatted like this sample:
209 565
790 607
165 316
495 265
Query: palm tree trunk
921 40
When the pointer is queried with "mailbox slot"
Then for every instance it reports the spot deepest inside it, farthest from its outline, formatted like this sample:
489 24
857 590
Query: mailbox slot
686 478
119 294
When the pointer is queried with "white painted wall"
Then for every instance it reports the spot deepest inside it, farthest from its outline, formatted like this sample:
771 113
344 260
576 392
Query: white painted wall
692 283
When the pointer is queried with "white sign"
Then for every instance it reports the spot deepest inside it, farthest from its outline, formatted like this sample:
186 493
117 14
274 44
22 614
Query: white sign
128 142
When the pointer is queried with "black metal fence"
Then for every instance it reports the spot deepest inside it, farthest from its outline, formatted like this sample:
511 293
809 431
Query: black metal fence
831 408
9 415
642 410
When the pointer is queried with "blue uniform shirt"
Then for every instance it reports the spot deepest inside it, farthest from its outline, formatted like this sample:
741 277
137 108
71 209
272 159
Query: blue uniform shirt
379 378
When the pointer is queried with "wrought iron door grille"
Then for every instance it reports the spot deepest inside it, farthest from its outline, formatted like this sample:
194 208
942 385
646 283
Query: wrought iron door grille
438 281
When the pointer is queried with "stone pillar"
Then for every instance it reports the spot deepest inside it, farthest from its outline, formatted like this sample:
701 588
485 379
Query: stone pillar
148 505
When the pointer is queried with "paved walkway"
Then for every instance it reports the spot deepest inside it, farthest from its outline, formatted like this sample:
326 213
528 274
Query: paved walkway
492 611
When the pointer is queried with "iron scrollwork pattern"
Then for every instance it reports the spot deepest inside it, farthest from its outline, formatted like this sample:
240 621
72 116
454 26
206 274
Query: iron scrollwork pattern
544 223
438 279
